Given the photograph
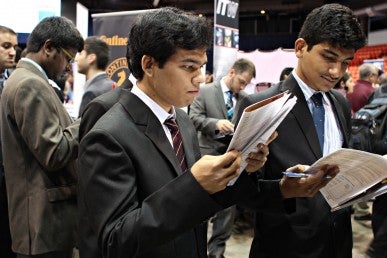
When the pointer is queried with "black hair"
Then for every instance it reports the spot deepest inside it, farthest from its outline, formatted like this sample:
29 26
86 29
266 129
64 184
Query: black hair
4 29
285 71
334 24
159 33
97 46
60 30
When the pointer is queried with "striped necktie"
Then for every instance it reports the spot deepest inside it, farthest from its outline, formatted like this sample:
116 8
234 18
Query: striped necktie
2 80
177 142
229 105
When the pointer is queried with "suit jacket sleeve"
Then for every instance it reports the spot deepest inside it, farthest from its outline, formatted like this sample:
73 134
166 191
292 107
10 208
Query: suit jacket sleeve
90 116
86 98
39 120
198 111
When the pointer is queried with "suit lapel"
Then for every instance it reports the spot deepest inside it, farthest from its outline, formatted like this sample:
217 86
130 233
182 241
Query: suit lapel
220 98
303 116
148 123
339 112
187 138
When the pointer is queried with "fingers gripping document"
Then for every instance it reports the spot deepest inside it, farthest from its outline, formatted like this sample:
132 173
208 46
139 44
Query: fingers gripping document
362 176
257 124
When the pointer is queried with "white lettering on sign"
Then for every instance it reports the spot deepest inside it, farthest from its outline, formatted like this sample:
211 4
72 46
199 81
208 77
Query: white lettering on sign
230 6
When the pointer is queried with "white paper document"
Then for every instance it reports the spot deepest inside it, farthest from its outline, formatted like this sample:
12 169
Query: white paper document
360 178
258 122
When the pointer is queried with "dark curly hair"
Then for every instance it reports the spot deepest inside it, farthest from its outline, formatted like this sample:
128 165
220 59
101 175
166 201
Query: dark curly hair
334 24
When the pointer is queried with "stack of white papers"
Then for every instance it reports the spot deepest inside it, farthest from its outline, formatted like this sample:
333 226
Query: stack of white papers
362 177
258 122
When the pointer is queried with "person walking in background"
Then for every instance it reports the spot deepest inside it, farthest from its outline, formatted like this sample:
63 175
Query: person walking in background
318 124
40 145
345 85
8 44
92 62
363 88
359 97
211 112
144 189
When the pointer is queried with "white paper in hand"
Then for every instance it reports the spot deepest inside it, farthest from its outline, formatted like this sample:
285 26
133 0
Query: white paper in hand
258 122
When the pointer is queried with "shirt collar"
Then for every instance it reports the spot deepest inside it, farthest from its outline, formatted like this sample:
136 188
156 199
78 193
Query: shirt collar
159 112
224 86
26 59
306 90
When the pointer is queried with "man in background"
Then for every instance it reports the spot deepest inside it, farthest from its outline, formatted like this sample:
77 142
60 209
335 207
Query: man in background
92 62
40 145
363 88
212 112
8 45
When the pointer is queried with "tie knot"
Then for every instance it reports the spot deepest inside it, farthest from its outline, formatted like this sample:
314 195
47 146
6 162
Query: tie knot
229 94
171 124
317 99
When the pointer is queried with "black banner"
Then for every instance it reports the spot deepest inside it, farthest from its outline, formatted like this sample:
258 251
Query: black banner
114 29
226 36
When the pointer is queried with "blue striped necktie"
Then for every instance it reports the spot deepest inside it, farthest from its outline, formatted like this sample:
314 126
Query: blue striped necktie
319 117
229 105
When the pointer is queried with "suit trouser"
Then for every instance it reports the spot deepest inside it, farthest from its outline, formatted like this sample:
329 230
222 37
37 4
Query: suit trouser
378 246
222 224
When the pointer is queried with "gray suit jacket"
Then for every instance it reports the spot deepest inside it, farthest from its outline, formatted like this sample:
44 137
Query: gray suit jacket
39 146
312 230
94 87
205 111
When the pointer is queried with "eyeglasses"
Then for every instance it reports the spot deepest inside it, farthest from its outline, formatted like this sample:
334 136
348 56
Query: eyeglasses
70 59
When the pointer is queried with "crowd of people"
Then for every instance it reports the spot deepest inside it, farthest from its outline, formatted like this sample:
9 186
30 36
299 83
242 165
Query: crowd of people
137 176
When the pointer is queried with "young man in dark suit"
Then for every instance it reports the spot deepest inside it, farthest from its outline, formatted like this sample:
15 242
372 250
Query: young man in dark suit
327 43
92 62
144 191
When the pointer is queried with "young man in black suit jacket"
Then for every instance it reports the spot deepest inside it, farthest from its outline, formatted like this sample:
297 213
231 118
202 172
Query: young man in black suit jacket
98 106
327 43
135 198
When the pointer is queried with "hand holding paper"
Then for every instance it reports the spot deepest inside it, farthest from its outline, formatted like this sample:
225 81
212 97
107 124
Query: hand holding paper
256 160
360 178
319 176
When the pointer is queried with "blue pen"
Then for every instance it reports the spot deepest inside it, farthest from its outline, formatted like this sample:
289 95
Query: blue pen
300 175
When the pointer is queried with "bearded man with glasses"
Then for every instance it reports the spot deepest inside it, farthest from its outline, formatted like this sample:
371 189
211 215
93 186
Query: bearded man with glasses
40 144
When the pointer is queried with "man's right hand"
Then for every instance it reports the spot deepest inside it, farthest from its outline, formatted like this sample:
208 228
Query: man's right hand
214 172
308 186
